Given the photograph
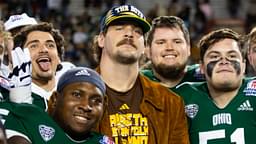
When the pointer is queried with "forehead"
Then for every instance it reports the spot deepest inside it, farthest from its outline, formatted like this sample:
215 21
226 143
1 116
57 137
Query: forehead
162 32
39 35
224 45
83 86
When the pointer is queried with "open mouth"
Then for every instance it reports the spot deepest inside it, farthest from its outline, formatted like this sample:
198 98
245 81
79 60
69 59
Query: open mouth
44 63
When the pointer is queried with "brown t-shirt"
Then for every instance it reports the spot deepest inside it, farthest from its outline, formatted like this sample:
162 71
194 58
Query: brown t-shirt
125 102
126 121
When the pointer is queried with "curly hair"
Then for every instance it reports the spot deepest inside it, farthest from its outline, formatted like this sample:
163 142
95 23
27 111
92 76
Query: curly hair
21 37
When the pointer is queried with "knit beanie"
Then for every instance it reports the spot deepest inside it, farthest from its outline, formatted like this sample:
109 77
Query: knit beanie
81 74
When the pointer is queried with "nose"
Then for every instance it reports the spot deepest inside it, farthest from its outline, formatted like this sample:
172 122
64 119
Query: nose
224 60
43 48
85 105
169 45
129 32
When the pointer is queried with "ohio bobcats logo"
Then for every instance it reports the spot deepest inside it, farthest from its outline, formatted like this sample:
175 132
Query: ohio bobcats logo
191 110
46 132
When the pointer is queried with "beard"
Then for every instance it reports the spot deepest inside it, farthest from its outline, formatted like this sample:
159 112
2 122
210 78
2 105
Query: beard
170 72
126 59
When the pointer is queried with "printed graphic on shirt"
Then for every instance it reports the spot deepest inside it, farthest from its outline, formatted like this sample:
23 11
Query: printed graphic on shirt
191 110
129 128
245 106
250 89
106 140
46 132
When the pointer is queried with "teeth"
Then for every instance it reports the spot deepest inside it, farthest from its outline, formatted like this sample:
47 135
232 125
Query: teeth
81 118
170 56
43 59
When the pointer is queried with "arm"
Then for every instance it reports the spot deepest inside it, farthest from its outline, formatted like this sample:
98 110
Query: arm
12 123
180 131
18 140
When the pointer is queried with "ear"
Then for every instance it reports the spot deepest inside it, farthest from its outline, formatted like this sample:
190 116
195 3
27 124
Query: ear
101 39
52 102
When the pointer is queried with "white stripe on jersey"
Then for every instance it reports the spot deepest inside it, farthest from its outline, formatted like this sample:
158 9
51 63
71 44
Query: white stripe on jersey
11 133
4 112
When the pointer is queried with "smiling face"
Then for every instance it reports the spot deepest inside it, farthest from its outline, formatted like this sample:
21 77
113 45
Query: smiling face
169 51
44 55
123 43
223 65
78 108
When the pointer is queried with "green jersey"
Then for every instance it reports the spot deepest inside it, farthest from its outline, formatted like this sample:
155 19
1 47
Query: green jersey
41 96
209 124
192 74
40 101
32 123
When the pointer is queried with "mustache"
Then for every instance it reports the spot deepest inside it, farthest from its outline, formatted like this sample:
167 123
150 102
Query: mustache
127 41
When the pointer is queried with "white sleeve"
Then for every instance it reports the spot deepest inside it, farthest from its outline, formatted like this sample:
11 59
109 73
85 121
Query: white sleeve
11 133
21 94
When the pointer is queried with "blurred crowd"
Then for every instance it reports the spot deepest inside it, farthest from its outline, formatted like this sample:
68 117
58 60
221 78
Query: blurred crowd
79 28
151 84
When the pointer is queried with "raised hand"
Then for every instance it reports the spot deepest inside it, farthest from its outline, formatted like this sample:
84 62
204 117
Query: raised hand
20 76
22 69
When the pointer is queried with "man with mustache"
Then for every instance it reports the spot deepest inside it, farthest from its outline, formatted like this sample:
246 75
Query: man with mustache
168 48
139 110
222 109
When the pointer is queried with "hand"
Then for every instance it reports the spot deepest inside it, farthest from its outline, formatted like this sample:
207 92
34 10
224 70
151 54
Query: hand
21 76
22 69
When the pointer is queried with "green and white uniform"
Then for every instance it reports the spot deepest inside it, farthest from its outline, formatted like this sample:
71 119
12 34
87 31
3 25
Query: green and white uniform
192 74
41 96
208 124
32 123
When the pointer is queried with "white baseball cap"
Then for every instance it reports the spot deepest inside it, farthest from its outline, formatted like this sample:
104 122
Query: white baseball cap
19 20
